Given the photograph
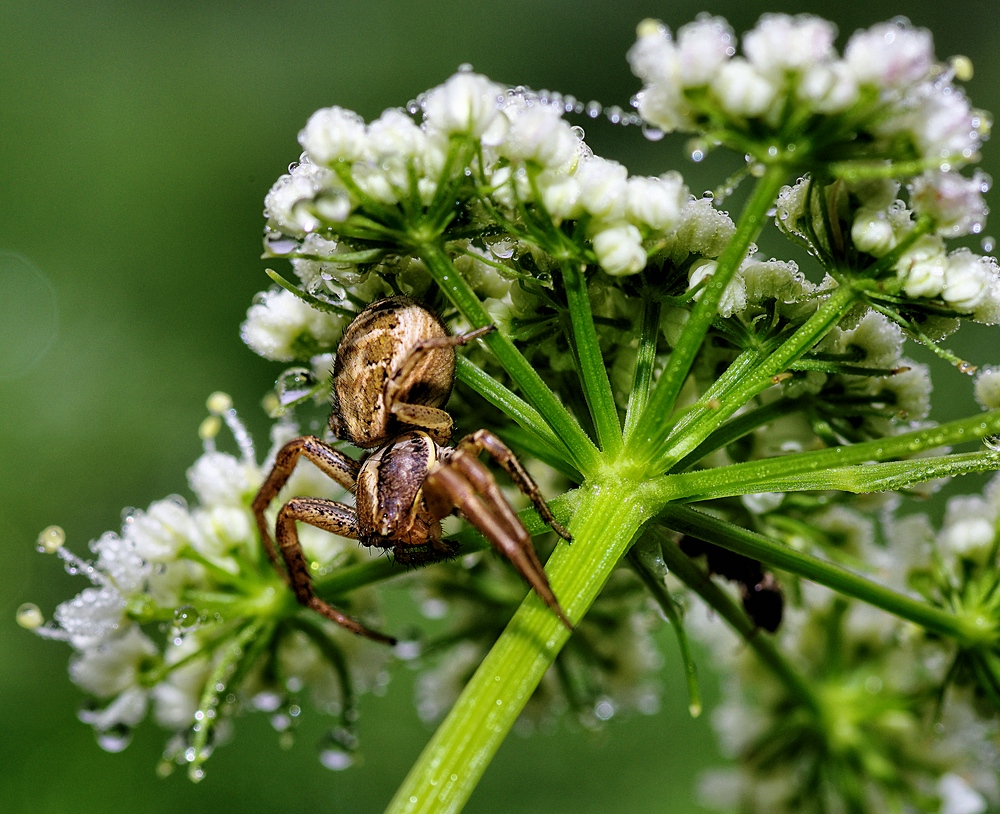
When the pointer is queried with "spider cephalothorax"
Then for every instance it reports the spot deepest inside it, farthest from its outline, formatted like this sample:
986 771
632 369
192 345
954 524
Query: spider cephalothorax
393 374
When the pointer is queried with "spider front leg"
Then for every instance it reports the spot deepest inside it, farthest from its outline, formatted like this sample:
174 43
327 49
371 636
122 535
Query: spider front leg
463 483
485 441
333 463
330 516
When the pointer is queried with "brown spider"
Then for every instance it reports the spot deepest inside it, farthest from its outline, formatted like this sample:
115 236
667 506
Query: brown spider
393 374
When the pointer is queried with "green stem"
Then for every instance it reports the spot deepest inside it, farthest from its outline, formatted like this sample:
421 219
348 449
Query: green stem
771 470
645 359
646 442
716 483
741 389
451 765
507 402
596 385
586 457
777 555
646 559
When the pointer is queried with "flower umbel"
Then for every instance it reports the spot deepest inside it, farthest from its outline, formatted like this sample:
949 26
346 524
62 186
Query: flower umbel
682 393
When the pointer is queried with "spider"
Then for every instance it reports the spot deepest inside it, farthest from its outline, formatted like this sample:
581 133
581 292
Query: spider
393 373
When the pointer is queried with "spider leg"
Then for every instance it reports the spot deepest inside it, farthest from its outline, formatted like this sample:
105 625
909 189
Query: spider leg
463 482
333 463
329 516
433 420
485 441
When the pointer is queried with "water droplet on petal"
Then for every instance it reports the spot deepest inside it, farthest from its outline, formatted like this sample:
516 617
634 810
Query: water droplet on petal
652 133
114 739
337 748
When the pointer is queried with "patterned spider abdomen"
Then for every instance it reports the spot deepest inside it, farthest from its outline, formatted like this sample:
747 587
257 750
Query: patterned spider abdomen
375 370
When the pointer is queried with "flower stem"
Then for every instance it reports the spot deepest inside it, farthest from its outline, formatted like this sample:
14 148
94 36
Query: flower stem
646 442
594 373
685 569
445 774
777 555
586 456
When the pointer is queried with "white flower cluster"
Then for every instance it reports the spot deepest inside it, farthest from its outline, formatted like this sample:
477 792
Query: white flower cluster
886 85
520 152
157 572
963 282
870 714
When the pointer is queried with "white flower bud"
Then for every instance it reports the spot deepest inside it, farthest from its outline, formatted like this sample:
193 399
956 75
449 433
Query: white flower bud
118 558
654 55
127 710
112 668
91 616
287 204
780 43
333 134
394 134
742 90
955 202
466 103
539 134
656 202
969 528
734 298
830 87
922 267
219 479
702 47
161 531
281 327
872 232
966 281
561 196
959 797
889 55
619 250
944 125
988 387
603 188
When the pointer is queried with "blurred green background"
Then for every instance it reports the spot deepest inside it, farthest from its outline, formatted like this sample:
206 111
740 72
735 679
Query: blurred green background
137 143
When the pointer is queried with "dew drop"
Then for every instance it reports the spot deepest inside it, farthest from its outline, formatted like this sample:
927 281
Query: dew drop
294 384
196 774
51 539
988 243
593 109
114 739
337 749
652 133
604 709
29 616
164 769
185 617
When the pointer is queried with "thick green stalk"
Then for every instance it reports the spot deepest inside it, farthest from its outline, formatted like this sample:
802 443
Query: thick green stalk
606 521
646 442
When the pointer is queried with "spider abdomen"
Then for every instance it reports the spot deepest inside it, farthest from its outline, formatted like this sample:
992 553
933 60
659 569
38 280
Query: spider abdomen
372 352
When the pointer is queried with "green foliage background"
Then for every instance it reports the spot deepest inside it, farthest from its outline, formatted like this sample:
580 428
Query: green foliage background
137 141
